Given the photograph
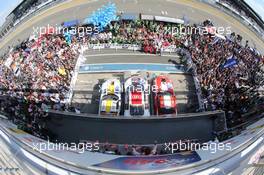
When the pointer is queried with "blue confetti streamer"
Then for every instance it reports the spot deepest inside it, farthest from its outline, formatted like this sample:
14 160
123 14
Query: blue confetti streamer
103 16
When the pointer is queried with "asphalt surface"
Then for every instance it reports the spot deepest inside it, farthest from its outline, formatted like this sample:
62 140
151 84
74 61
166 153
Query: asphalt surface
111 56
79 9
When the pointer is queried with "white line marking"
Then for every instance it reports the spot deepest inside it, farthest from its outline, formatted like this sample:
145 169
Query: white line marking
131 63
126 54
113 71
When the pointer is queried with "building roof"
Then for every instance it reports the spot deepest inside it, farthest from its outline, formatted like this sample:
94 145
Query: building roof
251 12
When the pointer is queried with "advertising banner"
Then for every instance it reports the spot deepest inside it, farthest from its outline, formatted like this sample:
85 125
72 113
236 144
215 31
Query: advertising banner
151 162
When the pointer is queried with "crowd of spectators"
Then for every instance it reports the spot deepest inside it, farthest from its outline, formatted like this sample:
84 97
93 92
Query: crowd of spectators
38 72
151 36
231 88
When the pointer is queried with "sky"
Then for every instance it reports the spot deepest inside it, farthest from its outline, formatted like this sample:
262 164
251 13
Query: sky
8 5
257 6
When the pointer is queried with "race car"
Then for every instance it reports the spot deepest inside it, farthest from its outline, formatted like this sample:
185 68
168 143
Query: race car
136 97
164 97
110 99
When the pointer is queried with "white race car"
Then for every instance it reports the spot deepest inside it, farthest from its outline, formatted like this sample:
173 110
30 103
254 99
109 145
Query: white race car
110 100
136 97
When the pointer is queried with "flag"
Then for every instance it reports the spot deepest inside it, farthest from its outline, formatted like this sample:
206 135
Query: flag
62 71
67 37
216 39
230 62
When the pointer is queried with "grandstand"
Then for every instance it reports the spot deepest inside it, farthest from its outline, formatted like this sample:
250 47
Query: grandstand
22 11
245 13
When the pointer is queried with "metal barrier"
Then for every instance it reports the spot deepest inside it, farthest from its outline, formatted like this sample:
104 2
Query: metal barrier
71 127
49 163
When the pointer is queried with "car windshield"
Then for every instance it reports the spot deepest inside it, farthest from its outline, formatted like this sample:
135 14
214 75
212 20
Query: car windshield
160 94
110 97
136 110
166 111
